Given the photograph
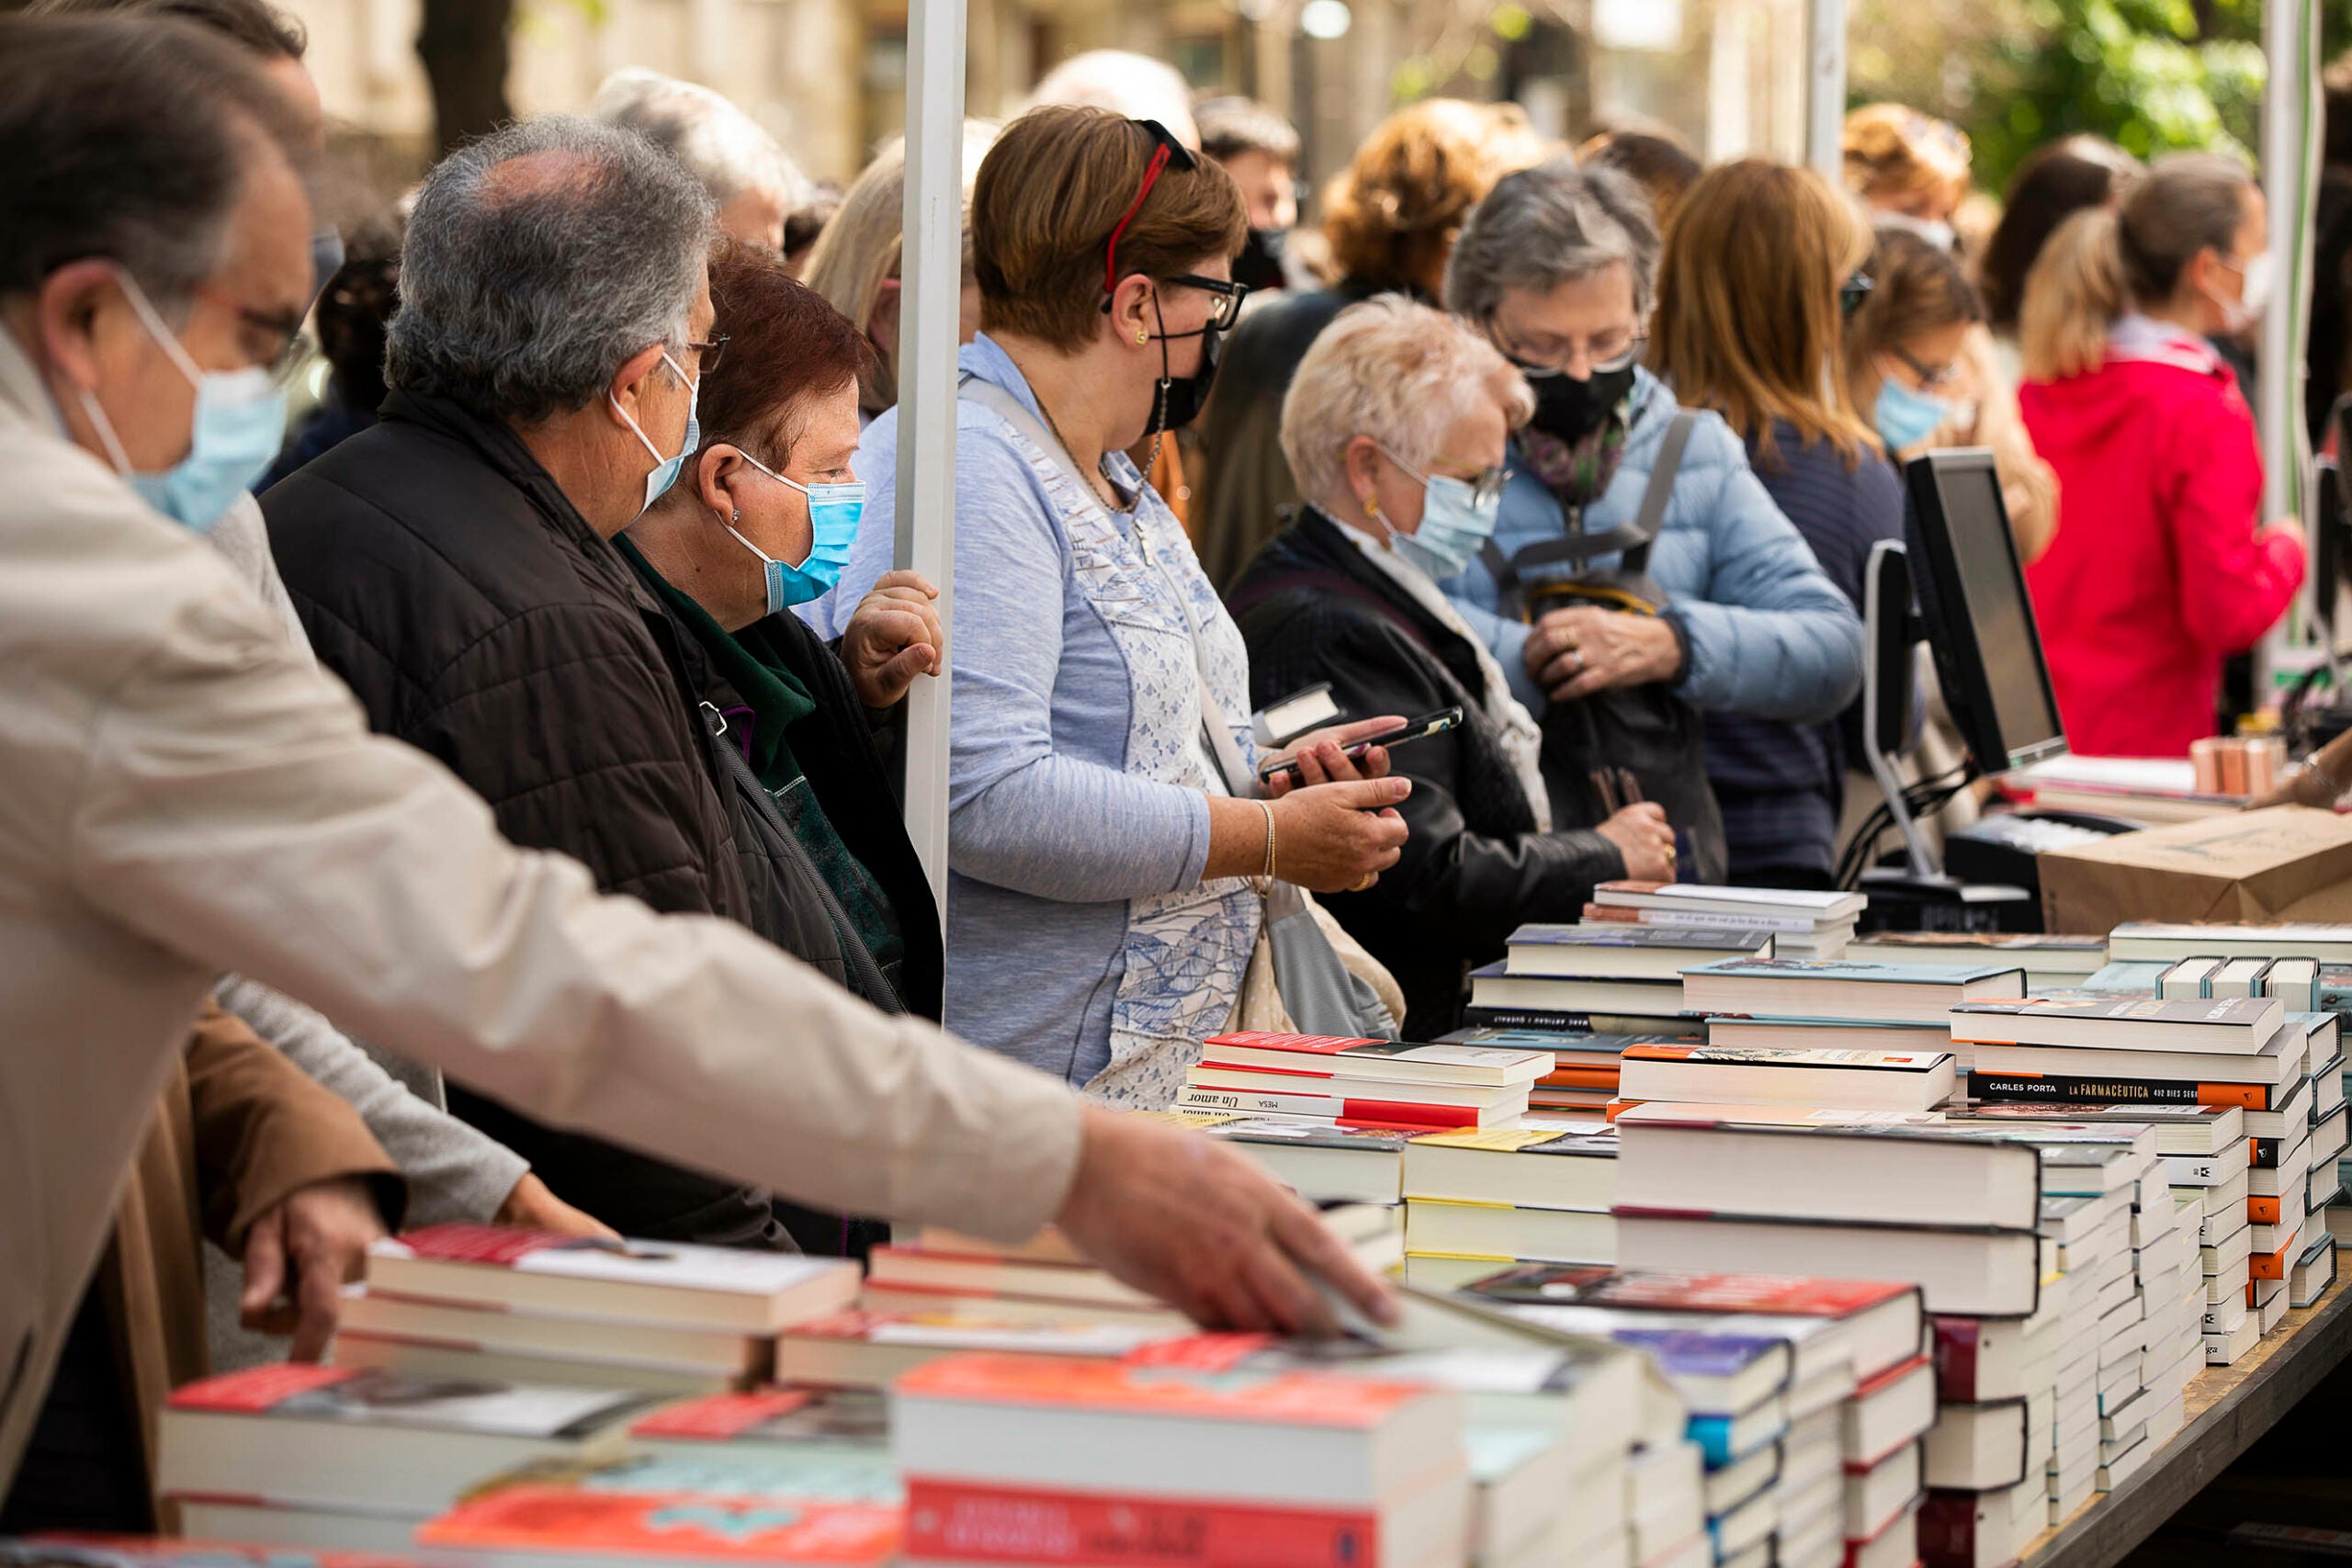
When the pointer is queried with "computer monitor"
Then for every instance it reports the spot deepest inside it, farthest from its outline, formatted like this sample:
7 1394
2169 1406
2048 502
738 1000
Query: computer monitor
1979 622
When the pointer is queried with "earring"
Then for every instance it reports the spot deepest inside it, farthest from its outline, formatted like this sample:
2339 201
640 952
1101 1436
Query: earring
1143 337
736 516
1372 507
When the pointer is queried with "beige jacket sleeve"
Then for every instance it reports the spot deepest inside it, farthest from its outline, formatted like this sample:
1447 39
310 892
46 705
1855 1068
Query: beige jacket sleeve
233 808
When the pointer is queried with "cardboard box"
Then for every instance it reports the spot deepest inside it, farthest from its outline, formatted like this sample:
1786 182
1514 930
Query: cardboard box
2288 863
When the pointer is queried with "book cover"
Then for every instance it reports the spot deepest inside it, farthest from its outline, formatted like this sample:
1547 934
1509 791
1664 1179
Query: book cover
858 1416
1156 1390
364 1396
1996 1023
1314 1136
691 1526
1634 935
1822 905
1907 1063
1385 1112
1576 1284
672 1264
2057 1087
1337 1053
1602 1145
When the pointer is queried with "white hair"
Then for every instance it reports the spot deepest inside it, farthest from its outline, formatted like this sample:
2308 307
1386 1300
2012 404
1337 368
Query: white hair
1133 84
719 143
1398 372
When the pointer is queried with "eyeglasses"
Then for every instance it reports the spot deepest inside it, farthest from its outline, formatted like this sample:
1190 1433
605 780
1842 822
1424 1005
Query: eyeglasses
1930 376
282 333
1605 356
1486 485
1228 293
1166 151
712 349
1854 293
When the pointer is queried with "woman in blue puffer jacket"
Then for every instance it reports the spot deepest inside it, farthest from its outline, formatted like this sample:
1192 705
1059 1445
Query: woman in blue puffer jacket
1557 266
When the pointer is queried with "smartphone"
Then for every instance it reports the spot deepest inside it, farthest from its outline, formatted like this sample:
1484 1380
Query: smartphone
1428 724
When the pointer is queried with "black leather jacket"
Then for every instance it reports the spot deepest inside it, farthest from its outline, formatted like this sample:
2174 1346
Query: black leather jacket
1313 609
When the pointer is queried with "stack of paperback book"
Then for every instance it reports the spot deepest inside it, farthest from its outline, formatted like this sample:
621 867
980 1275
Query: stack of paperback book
1801 924
1619 974
933 1292
1476 1201
2243 1052
1822 1078
1848 1004
483 1301
1807 1397
1334 1080
352 1458
1585 1066
2052 959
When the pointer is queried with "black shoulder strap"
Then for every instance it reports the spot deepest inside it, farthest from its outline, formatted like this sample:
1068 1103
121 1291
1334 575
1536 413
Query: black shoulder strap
1337 584
1660 490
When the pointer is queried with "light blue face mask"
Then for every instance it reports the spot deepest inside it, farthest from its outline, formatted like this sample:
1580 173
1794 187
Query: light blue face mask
666 470
238 426
834 511
1906 417
1457 518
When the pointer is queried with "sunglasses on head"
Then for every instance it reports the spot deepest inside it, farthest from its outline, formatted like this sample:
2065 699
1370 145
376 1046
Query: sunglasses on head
1168 153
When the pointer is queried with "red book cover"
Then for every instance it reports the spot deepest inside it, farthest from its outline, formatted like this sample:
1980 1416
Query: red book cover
158 1551
719 1416
691 1527
1892 1374
498 1245
1662 1290
1306 1045
1956 1344
258 1389
1285 1398
1948 1529
959 1521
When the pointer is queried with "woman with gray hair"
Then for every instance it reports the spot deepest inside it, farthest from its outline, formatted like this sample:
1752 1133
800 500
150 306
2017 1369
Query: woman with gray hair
750 179
1557 269
1395 426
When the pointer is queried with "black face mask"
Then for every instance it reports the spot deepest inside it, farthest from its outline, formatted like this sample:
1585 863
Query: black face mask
1570 409
1259 264
1181 397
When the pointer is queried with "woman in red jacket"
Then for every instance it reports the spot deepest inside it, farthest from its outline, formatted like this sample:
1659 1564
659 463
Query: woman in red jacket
2158 572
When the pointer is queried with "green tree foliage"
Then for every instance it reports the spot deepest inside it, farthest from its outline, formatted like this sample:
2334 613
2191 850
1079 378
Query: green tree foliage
2154 76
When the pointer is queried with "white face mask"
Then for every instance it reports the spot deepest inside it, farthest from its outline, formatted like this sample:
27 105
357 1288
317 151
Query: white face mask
2254 294
1934 230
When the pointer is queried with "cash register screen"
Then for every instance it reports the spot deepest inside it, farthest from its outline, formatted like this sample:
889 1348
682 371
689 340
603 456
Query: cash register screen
1978 616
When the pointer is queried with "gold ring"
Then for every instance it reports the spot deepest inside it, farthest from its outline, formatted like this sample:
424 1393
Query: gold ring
1370 877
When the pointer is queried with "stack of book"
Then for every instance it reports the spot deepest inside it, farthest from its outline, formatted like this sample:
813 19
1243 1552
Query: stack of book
1618 971
1807 1396
2159 942
1015 1460
483 1301
1585 1066
932 1292
1476 1201
1322 1162
1849 1004
2242 1052
1801 924
352 1458
1830 1078
2052 959
1332 1080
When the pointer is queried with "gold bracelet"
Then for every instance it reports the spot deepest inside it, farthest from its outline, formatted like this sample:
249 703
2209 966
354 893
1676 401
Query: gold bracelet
1267 806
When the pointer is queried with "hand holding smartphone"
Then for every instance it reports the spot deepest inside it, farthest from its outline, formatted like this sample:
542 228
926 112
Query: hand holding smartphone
1410 730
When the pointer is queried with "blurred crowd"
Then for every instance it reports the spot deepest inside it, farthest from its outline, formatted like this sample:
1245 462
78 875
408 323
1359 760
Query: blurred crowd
532 723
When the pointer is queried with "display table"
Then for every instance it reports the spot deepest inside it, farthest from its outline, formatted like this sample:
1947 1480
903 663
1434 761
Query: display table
2228 1407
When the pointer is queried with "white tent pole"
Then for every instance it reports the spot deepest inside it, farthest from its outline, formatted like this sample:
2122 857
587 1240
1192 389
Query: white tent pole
2288 158
931 265
1824 96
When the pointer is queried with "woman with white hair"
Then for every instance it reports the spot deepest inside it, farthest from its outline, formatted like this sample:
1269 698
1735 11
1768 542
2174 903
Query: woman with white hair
1396 426
750 180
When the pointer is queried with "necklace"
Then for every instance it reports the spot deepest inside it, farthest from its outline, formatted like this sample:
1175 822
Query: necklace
1104 490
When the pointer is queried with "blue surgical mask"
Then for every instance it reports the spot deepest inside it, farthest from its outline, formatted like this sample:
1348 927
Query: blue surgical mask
1455 520
834 511
1905 416
666 470
240 424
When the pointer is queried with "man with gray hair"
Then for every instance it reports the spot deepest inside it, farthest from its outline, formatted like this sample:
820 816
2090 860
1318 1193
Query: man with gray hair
186 792
754 185
452 564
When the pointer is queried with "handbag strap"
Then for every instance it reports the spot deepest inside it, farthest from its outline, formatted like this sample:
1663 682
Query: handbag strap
1240 781
1631 541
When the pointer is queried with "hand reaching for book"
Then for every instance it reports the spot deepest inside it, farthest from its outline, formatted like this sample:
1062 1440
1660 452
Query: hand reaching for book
1201 1227
299 1254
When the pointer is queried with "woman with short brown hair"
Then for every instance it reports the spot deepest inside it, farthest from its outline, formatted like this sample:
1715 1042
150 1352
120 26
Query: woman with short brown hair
1100 911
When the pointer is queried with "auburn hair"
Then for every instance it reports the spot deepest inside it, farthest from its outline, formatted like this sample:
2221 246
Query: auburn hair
784 344
1747 317
1891 153
1050 192
1391 215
